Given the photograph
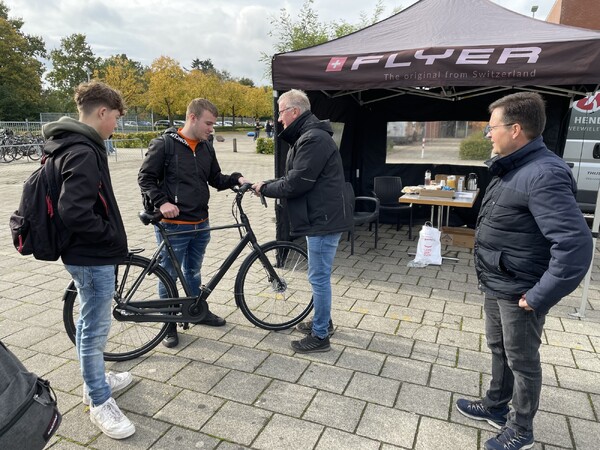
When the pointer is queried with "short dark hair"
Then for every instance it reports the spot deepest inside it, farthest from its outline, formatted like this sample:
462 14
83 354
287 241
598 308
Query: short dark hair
199 105
525 108
93 94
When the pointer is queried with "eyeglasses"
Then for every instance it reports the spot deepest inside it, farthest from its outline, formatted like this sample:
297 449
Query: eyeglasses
281 111
488 128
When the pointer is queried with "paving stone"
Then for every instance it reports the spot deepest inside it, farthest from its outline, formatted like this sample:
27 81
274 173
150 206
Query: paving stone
241 358
282 367
388 425
587 360
205 350
147 397
180 438
455 380
325 377
427 304
433 432
246 336
335 440
160 367
391 345
370 307
276 342
579 380
552 429
286 398
409 314
379 324
335 411
570 340
189 409
284 432
27 337
566 402
405 369
362 360
473 360
352 337
374 389
240 386
391 298
441 354
461 339
424 401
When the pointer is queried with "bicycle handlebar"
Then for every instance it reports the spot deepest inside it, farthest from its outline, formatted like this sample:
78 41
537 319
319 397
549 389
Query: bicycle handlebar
154 217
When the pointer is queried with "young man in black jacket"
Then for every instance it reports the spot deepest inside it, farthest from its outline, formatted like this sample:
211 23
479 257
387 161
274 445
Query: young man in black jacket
88 208
178 184
317 205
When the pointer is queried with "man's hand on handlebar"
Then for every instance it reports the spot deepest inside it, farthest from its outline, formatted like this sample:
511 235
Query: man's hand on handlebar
169 210
256 187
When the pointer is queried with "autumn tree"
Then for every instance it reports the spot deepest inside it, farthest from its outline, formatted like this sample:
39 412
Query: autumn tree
166 87
259 102
125 75
73 63
20 70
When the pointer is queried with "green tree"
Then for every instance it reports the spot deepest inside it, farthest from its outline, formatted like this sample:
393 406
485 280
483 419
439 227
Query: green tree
73 63
20 69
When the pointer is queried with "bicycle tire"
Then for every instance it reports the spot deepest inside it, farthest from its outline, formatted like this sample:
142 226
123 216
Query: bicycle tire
35 152
126 340
275 307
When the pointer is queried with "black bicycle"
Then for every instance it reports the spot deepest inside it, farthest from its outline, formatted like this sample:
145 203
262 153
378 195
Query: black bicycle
271 289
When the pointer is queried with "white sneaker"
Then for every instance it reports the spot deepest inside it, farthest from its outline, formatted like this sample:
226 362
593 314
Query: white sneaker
109 418
116 381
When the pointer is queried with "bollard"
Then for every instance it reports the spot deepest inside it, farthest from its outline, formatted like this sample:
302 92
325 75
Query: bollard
234 145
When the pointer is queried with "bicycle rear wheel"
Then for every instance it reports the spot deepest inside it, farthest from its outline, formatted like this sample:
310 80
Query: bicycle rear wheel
126 340
270 304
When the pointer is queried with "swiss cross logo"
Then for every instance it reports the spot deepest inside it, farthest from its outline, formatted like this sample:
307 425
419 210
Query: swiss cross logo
336 63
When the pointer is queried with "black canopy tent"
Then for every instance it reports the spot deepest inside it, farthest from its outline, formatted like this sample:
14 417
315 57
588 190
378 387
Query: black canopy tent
436 60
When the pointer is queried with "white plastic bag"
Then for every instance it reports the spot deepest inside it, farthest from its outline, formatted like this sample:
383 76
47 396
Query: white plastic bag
429 249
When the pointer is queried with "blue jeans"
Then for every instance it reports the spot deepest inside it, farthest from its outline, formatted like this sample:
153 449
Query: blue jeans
189 250
514 336
95 288
321 252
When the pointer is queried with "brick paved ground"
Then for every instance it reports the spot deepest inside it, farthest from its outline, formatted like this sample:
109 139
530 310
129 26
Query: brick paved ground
408 343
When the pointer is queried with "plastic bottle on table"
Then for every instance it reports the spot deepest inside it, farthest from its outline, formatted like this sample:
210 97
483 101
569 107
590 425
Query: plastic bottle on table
427 177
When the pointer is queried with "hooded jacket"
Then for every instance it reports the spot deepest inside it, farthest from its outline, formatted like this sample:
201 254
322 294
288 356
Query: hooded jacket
86 204
314 184
184 181
531 237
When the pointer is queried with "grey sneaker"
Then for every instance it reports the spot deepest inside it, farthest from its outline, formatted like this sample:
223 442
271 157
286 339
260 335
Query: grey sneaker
111 421
116 381
306 327
476 410
311 344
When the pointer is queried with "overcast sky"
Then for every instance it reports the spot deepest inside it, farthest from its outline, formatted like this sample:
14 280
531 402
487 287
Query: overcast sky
232 33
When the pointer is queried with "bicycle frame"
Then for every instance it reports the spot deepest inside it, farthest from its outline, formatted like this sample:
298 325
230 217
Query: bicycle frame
189 308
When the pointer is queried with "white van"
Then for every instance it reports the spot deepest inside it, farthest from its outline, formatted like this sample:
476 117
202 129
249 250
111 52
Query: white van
582 150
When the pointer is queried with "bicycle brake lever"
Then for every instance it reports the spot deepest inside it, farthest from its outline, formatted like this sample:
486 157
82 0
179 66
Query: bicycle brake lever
263 200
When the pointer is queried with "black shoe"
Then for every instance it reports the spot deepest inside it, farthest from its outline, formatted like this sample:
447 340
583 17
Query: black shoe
311 344
171 339
212 320
306 327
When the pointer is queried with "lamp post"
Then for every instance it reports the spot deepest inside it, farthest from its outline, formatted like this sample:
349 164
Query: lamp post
534 8
88 72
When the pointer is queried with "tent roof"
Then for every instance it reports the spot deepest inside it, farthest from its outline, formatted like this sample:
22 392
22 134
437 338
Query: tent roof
437 44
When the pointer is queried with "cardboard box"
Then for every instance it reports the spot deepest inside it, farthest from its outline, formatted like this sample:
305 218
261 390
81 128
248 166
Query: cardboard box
458 236
437 193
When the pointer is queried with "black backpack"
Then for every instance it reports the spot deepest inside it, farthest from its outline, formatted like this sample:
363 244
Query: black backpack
28 412
36 226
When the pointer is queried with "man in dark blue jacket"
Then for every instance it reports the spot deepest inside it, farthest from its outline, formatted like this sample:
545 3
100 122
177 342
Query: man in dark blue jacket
532 247
317 205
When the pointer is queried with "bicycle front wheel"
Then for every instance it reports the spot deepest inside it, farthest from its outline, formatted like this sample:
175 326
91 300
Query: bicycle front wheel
126 340
274 304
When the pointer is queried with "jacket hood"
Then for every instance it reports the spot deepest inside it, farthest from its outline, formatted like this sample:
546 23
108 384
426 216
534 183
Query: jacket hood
64 125
306 121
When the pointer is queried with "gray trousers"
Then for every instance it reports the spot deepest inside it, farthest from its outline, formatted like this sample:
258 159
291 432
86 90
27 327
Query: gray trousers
514 336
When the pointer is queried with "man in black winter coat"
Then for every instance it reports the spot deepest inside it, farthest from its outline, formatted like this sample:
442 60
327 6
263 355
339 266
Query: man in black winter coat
532 247
317 205
88 208
179 188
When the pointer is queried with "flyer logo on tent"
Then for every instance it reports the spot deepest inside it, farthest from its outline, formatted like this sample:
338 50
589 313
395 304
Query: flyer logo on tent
588 104
336 63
